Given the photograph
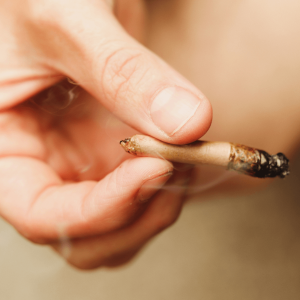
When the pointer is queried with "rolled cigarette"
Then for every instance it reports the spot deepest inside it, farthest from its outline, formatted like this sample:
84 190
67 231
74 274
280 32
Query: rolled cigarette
246 160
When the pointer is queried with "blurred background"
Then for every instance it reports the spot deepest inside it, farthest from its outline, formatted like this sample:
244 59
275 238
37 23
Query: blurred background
227 248
244 55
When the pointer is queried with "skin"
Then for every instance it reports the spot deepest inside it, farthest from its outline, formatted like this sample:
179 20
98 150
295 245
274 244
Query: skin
63 180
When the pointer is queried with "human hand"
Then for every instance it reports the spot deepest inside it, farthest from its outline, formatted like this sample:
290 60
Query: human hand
60 171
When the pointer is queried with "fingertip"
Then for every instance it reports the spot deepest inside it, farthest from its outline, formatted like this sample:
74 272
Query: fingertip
141 170
181 115
115 199
150 187
122 186
197 125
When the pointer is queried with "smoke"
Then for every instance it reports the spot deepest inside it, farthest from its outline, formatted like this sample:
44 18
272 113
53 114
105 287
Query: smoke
64 242
203 178
57 99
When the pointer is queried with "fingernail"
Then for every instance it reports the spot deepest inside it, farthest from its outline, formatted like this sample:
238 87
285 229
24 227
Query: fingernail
172 108
149 188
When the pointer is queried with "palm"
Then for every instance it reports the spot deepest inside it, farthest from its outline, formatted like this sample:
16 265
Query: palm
75 135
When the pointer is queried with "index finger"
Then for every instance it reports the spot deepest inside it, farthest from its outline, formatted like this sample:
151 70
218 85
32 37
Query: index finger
36 201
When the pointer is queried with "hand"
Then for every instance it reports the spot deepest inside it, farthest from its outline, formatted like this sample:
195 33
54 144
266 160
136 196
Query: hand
62 174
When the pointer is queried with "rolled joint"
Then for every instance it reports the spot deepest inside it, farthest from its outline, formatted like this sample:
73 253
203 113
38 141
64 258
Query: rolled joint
244 159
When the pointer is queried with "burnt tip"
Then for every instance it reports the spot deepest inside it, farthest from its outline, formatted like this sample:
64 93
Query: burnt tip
273 165
128 146
125 141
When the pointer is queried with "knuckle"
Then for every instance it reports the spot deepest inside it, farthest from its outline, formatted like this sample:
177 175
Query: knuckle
86 261
165 220
119 261
123 71
30 232
81 256
85 264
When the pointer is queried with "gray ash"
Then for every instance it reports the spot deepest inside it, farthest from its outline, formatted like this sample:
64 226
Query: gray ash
272 165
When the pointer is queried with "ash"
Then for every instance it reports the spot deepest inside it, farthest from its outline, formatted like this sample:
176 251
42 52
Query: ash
272 165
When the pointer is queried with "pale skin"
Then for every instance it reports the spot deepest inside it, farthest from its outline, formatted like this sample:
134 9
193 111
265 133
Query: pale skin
62 172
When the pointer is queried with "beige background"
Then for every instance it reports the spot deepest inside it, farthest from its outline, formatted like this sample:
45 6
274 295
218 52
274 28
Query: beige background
227 248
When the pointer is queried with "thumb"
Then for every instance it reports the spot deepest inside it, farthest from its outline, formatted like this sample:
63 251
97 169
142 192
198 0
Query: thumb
131 81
